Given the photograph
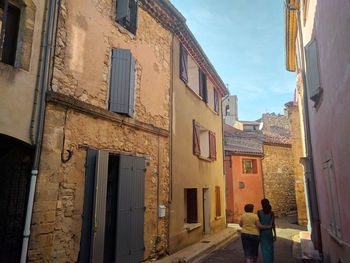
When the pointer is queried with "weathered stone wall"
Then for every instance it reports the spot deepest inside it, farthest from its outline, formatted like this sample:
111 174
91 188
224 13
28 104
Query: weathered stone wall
275 124
241 140
297 148
278 178
86 34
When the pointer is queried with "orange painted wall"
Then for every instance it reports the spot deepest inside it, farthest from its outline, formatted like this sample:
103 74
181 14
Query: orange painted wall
237 198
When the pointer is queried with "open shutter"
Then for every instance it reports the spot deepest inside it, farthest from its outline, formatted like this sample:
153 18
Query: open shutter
87 227
99 210
196 138
121 99
312 73
183 64
212 145
130 215
123 10
217 201
203 92
216 101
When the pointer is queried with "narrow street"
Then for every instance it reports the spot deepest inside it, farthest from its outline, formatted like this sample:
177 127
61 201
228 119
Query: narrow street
233 252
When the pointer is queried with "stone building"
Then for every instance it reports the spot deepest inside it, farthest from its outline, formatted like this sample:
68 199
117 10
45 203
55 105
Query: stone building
105 157
20 67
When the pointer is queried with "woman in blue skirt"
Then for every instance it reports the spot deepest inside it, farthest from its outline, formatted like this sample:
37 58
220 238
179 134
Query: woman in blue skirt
267 217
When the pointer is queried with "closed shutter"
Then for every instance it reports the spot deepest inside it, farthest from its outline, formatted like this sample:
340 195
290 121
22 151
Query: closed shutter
217 201
123 10
212 145
121 99
312 73
203 92
183 64
196 138
130 215
192 213
216 101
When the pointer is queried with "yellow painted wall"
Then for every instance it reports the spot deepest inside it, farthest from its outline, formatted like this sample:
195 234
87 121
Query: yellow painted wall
189 171
17 84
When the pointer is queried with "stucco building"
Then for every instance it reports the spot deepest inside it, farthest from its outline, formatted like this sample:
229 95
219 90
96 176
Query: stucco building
197 206
21 24
317 37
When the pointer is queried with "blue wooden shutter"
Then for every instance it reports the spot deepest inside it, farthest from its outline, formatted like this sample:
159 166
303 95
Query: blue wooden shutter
121 99
183 64
130 209
312 73
123 10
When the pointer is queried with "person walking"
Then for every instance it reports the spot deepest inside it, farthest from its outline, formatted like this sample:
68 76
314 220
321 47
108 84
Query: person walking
250 235
267 218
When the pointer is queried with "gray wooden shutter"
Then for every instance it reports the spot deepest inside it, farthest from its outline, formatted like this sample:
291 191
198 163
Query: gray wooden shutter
183 64
87 229
312 73
121 99
130 215
99 211
123 10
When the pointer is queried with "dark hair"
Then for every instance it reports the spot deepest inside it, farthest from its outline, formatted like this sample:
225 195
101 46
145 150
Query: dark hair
265 203
249 208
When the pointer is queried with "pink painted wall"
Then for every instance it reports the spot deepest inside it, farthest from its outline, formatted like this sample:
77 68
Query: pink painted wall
330 121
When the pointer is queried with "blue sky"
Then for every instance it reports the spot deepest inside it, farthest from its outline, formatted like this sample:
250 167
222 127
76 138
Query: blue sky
244 40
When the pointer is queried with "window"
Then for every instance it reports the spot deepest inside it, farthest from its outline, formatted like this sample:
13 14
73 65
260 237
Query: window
127 11
204 142
217 201
306 8
191 207
9 24
121 99
312 73
249 166
330 180
227 110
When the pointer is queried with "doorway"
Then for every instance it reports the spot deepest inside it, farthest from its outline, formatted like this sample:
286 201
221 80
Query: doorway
206 211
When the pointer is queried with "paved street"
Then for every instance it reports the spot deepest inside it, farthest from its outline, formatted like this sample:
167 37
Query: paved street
233 252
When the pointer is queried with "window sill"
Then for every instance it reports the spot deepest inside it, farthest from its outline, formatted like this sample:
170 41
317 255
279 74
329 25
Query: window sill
336 239
211 109
207 159
192 91
123 30
218 218
192 226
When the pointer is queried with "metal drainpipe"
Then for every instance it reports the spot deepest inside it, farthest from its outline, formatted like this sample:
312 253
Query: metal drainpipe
36 91
223 154
40 128
309 154
170 197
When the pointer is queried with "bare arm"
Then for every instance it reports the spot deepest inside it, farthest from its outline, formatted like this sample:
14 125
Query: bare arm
273 226
259 225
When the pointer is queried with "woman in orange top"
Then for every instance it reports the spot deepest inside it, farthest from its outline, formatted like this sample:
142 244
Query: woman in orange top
250 235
